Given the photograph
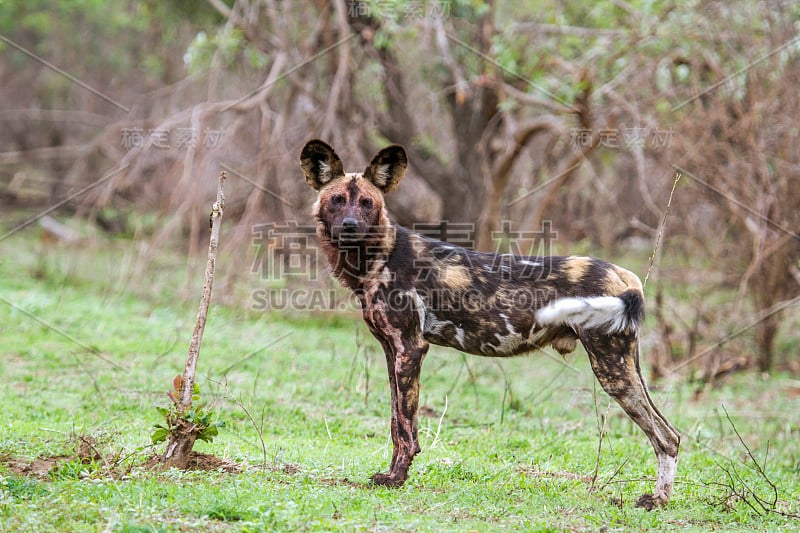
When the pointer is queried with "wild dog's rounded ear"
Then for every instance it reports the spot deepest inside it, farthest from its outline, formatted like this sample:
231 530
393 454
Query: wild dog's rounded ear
387 168
320 163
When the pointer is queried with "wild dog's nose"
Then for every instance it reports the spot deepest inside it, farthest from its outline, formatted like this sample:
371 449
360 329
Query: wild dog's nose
350 224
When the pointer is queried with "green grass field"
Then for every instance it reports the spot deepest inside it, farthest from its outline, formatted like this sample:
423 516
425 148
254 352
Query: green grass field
87 352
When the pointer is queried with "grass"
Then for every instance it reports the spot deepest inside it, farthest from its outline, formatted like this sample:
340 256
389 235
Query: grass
507 445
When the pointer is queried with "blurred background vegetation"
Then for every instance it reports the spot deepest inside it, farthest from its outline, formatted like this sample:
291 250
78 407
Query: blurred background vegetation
580 113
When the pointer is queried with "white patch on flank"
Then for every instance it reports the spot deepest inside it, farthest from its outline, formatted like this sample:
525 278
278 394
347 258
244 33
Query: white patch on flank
420 303
506 344
597 312
509 343
386 276
529 263
433 327
460 336
509 326
535 336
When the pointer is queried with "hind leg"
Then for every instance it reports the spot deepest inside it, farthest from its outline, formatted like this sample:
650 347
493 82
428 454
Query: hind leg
615 361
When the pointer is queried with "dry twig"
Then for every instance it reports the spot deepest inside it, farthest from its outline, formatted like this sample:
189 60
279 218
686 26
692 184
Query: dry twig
739 489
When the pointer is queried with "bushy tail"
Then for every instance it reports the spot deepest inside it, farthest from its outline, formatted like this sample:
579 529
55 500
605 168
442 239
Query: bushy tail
612 314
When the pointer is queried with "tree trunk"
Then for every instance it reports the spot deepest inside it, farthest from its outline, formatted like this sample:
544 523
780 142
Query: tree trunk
765 340
181 442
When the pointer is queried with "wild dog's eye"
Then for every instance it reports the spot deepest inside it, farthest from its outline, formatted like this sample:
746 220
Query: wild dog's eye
337 200
365 202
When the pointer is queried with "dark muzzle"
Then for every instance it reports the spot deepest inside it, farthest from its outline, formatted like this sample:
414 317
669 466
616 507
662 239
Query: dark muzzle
349 225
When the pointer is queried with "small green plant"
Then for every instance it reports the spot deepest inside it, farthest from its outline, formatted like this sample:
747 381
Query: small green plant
198 416
73 469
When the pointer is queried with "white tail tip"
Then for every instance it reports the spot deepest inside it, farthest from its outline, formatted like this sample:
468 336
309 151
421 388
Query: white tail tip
609 313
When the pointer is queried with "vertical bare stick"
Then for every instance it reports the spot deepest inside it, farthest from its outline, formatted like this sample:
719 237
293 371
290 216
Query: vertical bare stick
661 228
184 433
189 370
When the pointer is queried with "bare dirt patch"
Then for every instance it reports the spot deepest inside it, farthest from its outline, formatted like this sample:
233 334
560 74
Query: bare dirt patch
197 461
533 472
44 467
40 468
333 482
88 452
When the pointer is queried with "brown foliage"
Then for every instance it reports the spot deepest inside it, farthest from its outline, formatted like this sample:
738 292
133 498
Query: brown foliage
486 141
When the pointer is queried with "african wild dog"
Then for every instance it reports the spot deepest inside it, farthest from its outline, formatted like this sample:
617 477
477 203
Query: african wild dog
415 291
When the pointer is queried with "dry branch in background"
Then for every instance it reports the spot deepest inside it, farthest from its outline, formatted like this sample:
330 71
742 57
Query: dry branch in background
487 100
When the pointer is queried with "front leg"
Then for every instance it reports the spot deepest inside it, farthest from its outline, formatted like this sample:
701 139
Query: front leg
404 371
405 348
388 350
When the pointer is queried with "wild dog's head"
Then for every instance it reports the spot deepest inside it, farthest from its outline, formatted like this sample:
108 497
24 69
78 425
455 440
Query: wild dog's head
350 207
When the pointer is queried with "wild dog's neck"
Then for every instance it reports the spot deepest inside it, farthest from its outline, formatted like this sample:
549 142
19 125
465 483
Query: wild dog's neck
353 263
